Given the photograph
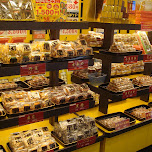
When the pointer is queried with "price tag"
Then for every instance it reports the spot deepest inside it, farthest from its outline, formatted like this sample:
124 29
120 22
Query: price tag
77 65
32 69
149 115
50 150
147 58
79 106
122 124
150 89
31 118
129 94
86 142
130 59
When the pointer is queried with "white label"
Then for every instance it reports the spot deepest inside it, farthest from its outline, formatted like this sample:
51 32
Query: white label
69 32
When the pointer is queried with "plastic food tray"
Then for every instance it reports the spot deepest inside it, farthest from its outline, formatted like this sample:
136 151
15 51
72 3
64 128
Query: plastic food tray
98 119
128 112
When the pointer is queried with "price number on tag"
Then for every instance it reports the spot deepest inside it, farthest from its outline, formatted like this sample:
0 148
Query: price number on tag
149 115
130 59
77 65
32 69
31 118
129 94
122 124
79 106
86 142
147 58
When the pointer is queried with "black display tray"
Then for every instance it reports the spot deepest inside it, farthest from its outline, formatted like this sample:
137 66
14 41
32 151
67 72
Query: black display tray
28 112
47 113
77 79
119 95
150 104
10 148
128 111
97 119
1 147
72 58
137 52
58 139
61 82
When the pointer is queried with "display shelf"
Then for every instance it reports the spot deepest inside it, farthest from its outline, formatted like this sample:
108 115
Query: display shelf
42 114
115 26
10 70
30 25
74 146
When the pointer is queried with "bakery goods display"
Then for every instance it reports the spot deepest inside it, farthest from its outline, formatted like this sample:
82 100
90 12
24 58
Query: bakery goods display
23 101
111 122
120 85
2 112
140 112
75 129
36 140
93 39
128 39
38 81
16 10
117 69
142 80
120 47
11 53
8 85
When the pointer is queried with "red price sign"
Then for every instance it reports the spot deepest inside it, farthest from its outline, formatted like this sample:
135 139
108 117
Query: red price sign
86 142
150 89
50 150
77 65
129 94
31 118
149 115
147 58
130 59
122 124
32 69
79 106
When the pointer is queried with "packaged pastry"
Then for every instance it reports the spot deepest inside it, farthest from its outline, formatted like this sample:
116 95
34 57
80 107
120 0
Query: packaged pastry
120 85
75 129
142 81
2 113
32 140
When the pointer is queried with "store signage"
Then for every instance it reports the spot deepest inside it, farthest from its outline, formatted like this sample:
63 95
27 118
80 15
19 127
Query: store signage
149 115
77 65
32 69
150 88
130 59
69 32
31 118
13 33
39 34
122 124
147 58
146 27
79 106
86 142
129 94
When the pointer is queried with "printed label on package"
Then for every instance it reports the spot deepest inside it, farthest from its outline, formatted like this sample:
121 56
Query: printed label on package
149 115
130 59
79 106
86 142
147 58
77 65
32 69
122 124
129 94
31 118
